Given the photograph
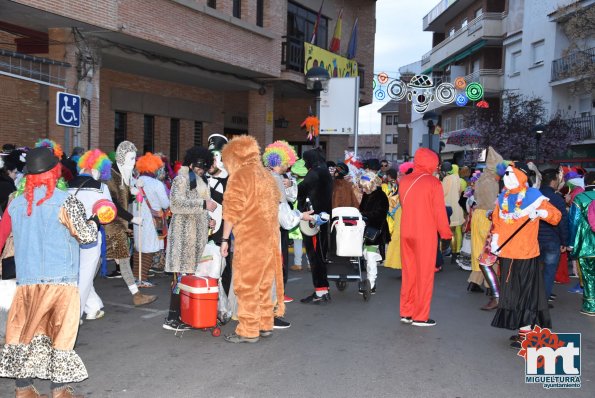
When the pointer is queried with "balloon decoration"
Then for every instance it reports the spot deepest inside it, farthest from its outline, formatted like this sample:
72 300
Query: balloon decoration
421 91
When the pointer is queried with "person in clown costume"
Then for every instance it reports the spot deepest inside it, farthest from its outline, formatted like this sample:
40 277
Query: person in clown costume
522 304
87 187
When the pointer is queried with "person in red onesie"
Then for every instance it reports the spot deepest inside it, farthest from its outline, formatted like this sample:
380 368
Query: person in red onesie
423 218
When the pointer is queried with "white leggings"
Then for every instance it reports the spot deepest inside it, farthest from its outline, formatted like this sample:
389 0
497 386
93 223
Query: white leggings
89 265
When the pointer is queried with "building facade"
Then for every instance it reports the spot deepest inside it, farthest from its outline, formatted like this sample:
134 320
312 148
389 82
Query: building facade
165 74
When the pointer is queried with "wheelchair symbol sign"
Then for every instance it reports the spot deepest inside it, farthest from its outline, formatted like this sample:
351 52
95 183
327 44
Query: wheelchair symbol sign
68 110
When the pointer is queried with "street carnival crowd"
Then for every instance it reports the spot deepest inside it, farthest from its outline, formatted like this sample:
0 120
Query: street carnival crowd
517 229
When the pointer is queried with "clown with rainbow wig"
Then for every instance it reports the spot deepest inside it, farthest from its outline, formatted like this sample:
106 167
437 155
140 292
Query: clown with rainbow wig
93 167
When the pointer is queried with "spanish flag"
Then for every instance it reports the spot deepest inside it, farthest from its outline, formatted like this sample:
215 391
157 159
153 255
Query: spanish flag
336 40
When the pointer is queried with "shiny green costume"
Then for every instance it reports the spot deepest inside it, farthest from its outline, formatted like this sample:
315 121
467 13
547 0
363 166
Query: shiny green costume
583 241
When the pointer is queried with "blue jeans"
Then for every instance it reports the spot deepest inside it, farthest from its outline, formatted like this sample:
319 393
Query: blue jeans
550 257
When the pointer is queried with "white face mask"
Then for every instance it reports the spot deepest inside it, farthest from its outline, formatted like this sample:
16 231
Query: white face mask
127 168
510 180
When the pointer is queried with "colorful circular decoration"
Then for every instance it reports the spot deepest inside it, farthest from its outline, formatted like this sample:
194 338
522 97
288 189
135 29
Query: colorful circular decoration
397 90
379 94
445 93
373 84
474 91
382 78
106 211
483 104
461 100
460 83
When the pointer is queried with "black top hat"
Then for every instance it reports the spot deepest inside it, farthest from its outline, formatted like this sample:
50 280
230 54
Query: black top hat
522 166
216 142
40 160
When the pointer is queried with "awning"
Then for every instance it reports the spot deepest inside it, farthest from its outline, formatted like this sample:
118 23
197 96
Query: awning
461 55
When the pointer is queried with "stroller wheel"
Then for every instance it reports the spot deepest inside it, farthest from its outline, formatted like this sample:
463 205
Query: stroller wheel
341 285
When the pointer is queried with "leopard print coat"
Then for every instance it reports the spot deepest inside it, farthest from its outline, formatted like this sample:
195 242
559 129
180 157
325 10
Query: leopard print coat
188 229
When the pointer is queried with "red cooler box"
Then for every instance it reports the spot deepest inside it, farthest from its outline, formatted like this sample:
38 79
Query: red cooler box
198 301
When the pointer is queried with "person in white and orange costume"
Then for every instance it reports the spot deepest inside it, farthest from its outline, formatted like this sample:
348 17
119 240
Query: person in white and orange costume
522 304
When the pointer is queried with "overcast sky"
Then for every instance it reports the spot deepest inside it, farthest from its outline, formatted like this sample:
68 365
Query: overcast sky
400 40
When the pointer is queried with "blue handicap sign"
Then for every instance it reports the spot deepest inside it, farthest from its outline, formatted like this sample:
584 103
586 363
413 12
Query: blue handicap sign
68 110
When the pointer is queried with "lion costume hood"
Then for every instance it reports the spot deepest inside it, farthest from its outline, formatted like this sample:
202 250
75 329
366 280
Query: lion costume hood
239 152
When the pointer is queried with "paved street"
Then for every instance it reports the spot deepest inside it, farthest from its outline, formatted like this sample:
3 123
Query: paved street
347 349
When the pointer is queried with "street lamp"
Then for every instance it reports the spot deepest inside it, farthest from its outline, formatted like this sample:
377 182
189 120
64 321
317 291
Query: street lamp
317 80
538 130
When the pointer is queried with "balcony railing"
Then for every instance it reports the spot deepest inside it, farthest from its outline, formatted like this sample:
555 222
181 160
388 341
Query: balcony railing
574 65
292 55
584 125
437 11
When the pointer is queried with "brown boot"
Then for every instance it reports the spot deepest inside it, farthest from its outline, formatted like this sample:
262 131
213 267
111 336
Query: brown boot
65 392
141 299
29 392
491 305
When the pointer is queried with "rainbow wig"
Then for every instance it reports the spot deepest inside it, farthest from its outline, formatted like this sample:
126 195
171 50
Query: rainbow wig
279 153
96 160
502 166
53 145
148 163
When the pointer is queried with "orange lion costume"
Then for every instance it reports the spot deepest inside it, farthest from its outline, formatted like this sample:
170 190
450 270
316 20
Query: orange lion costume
250 209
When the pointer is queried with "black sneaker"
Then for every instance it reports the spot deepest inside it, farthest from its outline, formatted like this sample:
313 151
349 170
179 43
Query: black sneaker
407 320
314 299
429 322
516 345
175 325
114 275
280 323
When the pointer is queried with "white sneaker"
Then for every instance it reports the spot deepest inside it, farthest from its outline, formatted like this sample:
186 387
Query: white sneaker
97 315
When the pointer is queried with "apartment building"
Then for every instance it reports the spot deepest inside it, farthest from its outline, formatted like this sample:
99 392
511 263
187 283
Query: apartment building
165 74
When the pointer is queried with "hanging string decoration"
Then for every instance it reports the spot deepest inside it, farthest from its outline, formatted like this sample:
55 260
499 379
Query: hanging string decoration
445 93
460 83
397 90
474 91
461 100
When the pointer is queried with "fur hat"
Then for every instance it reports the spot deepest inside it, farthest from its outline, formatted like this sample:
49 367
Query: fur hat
369 181
148 163
96 160
123 148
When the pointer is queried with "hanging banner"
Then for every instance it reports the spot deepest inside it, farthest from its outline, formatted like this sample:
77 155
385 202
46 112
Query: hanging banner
336 65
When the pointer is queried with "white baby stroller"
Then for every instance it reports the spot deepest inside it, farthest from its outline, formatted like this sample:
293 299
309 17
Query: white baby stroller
347 249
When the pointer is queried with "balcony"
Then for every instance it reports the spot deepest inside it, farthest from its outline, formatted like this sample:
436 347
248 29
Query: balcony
585 126
575 65
439 12
486 27
292 54
490 79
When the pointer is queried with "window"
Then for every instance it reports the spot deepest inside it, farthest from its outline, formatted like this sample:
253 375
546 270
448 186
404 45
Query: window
478 12
388 139
515 62
197 133
237 8
464 23
212 3
537 52
260 13
446 125
460 122
584 106
149 134
395 138
174 139
395 119
300 24
119 128
451 32
389 120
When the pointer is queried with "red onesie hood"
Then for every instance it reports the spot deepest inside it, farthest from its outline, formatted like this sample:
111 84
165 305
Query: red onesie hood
425 160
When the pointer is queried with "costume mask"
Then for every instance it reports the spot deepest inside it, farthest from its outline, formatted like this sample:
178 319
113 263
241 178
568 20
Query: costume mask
125 159
510 179
216 143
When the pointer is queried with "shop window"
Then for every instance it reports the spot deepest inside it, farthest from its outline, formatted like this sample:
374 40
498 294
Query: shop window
149 134
197 133
237 8
389 120
174 139
120 128
260 13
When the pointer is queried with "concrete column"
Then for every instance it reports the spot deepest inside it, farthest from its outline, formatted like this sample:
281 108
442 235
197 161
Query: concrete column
260 115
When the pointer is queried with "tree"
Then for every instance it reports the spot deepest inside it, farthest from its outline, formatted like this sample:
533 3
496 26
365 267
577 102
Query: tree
511 130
